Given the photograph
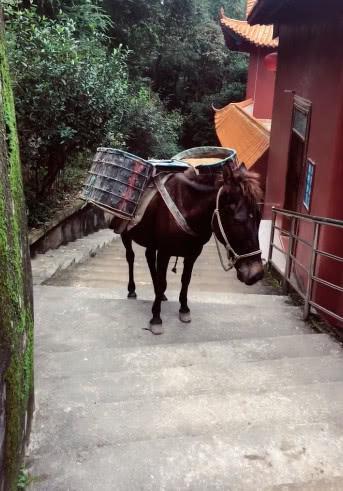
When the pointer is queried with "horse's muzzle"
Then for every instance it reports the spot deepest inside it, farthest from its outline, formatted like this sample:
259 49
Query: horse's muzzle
250 272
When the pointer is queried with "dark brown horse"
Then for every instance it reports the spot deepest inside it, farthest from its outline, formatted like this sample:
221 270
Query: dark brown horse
222 202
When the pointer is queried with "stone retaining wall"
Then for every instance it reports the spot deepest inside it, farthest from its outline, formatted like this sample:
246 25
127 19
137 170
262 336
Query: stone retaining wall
16 313
68 225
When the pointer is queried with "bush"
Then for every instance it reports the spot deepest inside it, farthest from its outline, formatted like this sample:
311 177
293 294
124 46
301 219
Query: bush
150 130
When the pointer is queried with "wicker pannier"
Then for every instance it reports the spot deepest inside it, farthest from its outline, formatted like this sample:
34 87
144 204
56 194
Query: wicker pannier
116 181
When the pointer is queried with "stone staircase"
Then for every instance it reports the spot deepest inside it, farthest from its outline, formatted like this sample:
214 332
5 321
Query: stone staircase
246 397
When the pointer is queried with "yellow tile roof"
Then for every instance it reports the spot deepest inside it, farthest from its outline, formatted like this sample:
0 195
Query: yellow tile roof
237 129
261 36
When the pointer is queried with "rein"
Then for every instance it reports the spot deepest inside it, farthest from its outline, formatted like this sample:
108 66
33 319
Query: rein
228 247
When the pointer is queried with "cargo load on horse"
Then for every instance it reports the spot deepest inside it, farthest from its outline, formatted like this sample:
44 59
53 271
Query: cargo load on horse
123 184
173 207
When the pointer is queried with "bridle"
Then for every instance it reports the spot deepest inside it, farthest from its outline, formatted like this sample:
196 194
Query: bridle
234 257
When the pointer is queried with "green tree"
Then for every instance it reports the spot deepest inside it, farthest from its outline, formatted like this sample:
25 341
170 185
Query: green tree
135 74
178 47
68 88
151 130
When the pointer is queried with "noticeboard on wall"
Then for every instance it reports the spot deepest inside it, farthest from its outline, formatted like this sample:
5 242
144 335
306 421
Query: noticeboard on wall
309 178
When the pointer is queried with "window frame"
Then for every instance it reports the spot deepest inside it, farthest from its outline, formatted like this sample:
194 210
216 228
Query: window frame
305 106
309 164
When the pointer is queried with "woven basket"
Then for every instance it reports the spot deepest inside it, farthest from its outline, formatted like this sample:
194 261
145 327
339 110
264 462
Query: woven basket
116 181
212 157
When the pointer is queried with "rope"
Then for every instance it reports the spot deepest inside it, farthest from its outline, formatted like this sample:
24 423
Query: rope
228 247
230 263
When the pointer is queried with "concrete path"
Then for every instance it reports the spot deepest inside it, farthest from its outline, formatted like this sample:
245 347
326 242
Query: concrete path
246 397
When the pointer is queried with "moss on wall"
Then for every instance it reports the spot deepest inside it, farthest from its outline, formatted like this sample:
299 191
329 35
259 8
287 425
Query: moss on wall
16 317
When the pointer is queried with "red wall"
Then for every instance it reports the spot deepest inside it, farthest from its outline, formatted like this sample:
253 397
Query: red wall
310 64
261 83
252 72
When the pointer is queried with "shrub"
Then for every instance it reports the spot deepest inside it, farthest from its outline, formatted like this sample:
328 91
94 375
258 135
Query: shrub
150 130
68 86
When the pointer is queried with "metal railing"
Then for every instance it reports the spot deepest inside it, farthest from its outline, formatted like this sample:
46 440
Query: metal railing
291 259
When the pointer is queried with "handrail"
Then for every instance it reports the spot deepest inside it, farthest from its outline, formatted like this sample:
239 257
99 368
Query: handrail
311 218
291 259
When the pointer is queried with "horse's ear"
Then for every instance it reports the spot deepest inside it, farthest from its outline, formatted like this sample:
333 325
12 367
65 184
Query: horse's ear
243 167
227 174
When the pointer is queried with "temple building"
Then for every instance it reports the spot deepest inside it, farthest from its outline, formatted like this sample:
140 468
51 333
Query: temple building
305 163
245 126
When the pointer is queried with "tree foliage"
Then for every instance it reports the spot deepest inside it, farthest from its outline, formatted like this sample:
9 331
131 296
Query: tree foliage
68 88
178 46
135 74
151 130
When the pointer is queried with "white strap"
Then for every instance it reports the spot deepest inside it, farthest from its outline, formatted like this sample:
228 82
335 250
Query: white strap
178 217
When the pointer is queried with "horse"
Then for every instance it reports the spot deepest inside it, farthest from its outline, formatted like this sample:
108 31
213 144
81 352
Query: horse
224 203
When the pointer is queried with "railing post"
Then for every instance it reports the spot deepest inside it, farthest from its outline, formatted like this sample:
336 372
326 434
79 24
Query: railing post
271 240
309 287
288 257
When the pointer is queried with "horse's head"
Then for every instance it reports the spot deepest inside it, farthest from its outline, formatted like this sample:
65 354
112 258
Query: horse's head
236 222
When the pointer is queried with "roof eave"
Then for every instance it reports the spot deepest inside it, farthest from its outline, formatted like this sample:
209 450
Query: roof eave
246 44
237 42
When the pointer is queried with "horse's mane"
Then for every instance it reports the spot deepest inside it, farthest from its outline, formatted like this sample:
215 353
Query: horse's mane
250 184
248 181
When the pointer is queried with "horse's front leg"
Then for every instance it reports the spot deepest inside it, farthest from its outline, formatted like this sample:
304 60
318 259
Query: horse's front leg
188 263
130 257
161 285
150 255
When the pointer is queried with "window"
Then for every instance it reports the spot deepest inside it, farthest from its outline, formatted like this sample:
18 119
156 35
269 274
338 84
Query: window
308 184
300 122
301 117
297 157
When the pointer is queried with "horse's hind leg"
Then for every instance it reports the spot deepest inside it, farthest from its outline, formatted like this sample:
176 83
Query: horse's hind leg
150 255
184 312
161 285
130 257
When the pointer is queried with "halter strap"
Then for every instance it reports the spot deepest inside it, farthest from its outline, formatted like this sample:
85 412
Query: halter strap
228 247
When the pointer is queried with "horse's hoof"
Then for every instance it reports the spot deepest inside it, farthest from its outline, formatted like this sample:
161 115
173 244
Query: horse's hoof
155 326
156 329
185 317
164 299
132 295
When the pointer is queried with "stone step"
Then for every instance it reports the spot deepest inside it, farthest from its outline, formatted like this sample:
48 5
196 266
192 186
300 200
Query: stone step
330 484
259 377
260 301
234 308
217 354
78 424
114 277
95 323
142 269
249 458
115 281
109 260
44 266
111 279
109 269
